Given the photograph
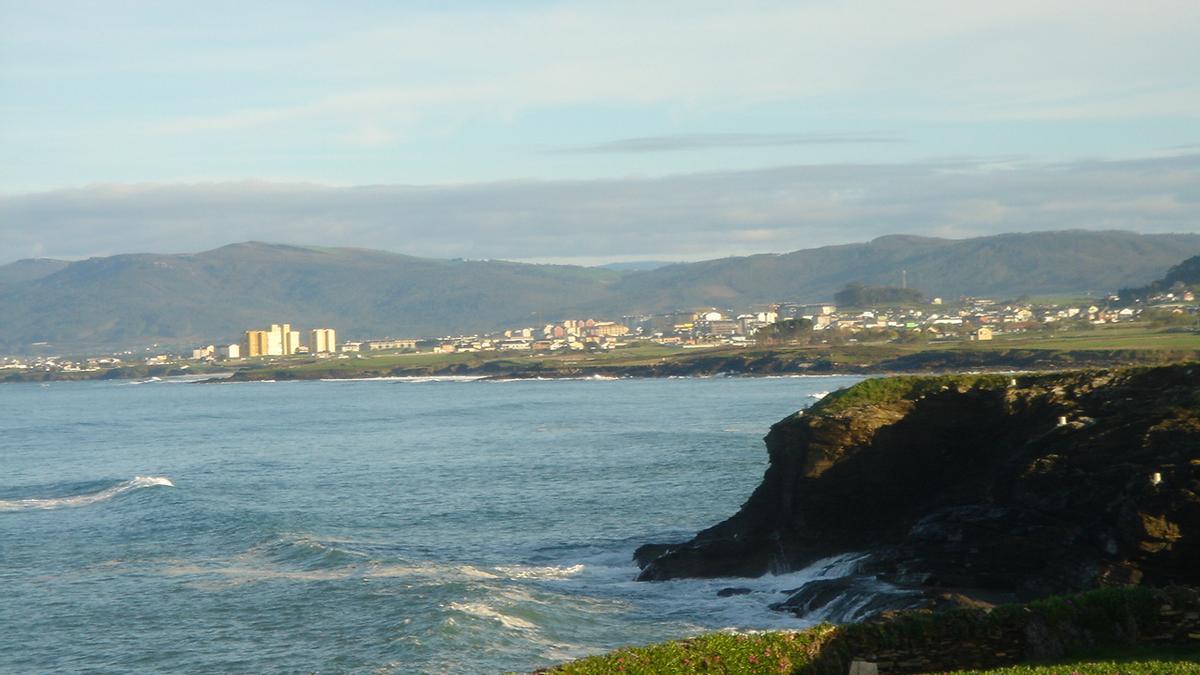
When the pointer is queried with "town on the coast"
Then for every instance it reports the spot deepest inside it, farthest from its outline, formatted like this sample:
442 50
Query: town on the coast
824 323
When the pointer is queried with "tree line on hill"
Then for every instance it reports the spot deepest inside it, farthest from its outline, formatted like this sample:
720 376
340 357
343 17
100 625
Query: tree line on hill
1179 278
857 294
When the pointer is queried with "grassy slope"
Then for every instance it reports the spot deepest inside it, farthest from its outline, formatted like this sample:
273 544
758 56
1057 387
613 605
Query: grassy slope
827 648
1120 336
1133 662
788 652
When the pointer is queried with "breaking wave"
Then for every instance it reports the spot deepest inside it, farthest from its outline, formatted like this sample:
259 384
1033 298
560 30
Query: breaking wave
482 610
86 498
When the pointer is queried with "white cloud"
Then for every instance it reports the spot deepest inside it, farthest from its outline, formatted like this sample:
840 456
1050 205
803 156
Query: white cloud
675 217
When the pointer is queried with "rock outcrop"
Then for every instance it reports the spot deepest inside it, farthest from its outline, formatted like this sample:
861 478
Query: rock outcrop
976 484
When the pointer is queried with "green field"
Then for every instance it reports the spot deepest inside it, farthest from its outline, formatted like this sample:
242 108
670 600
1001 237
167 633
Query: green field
1121 336
634 355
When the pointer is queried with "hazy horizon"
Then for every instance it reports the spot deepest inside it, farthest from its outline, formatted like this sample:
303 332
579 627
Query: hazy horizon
633 262
590 132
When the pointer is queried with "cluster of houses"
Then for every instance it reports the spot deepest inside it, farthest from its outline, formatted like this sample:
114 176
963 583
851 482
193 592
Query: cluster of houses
1171 296
973 318
969 318
709 326
60 364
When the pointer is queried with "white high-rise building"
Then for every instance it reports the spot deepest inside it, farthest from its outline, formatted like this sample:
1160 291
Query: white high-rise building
278 340
323 341
275 339
282 340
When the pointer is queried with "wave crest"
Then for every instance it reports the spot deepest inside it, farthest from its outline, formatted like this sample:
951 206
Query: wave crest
86 498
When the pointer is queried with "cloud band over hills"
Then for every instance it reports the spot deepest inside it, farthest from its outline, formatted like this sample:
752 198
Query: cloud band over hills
687 216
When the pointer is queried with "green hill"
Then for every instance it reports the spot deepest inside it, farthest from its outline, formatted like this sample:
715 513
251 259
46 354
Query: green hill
29 269
129 301
1184 275
1006 265
132 301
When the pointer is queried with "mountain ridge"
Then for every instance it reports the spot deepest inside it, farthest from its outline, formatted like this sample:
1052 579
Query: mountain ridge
141 299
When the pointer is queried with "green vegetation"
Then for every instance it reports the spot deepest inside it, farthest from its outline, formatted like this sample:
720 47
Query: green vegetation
486 362
1117 336
861 295
883 390
788 331
211 297
1147 662
122 373
1003 266
1180 277
1103 616
777 652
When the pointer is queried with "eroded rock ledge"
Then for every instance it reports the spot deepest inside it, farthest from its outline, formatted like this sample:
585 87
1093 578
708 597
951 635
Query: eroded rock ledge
983 484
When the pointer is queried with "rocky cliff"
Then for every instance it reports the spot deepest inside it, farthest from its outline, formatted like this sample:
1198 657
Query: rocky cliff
981 484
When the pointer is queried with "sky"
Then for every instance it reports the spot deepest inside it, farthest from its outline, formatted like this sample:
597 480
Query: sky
589 132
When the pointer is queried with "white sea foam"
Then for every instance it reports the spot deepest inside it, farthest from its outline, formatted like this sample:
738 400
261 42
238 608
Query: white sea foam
607 579
87 498
546 572
485 611
475 573
176 379
236 575
131 383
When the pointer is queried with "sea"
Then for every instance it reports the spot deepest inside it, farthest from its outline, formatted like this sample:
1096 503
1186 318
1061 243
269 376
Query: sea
395 525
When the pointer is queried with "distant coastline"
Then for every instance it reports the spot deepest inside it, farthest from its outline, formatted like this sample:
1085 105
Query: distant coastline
862 360
122 373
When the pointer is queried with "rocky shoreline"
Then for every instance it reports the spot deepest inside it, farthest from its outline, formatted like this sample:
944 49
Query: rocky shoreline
974 489
753 363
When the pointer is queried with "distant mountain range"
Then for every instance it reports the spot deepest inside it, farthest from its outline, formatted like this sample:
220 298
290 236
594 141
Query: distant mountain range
30 269
137 300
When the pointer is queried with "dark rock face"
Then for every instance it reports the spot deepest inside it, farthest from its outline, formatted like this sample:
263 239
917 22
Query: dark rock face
847 599
974 482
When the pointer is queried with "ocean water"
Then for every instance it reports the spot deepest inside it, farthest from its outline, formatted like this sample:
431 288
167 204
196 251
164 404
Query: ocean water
370 526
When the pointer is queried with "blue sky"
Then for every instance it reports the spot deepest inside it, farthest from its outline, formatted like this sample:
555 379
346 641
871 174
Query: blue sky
109 111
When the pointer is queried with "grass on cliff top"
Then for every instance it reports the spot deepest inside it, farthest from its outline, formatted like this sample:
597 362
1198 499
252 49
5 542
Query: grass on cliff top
825 648
775 652
883 390
1142 660
1151 667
